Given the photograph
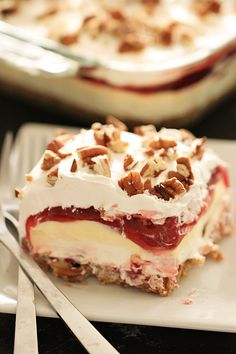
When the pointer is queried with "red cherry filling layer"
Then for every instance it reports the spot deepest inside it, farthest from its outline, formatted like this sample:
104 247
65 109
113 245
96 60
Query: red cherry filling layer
142 231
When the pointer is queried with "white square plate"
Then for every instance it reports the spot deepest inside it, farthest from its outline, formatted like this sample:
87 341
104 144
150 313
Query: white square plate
212 288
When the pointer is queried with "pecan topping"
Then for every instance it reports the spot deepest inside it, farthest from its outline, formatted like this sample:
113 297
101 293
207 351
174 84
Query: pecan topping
162 144
153 168
145 129
129 162
52 177
101 165
169 189
50 159
117 123
87 153
74 166
184 167
18 193
132 183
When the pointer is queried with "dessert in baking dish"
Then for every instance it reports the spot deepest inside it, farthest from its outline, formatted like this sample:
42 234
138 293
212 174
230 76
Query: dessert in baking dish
134 209
162 60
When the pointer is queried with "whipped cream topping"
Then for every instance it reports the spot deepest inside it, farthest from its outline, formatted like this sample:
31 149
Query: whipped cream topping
101 39
85 188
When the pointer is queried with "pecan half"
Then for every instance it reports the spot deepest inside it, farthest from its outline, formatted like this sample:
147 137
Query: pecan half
145 129
132 183
116 123
129 162
101 165
52 177
169 189
50 159
153 168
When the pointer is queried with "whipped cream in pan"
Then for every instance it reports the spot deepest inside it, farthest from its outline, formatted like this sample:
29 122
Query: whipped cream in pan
193 35
85 188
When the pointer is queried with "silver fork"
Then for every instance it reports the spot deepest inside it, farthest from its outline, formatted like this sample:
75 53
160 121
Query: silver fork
89 337
25 340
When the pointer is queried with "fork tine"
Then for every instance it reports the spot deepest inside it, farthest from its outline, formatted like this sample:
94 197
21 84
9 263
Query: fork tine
4 162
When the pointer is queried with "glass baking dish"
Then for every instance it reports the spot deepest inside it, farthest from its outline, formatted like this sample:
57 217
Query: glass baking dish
173 90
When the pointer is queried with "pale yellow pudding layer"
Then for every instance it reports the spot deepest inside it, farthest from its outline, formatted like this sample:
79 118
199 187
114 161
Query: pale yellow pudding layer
93 242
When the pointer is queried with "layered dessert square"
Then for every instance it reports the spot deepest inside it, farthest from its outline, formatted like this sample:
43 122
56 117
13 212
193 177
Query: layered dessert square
134 209
145 54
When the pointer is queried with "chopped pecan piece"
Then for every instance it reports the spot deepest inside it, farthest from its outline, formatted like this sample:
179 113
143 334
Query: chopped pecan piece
169 154
185 181
116 123
8 7
129 162
162 144
207 7
101 165
149 152
28 177
50 159
147 185
153 168
18 193
132 183
145 129
118 145
199 149
52 177
131 43
87 153
117 15
169 189
69 39
184 167
57 143
74 166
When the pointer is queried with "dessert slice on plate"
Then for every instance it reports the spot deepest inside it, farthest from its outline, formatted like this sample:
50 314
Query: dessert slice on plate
133 209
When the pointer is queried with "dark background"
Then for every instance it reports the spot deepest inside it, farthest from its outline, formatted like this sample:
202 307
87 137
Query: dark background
54 337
